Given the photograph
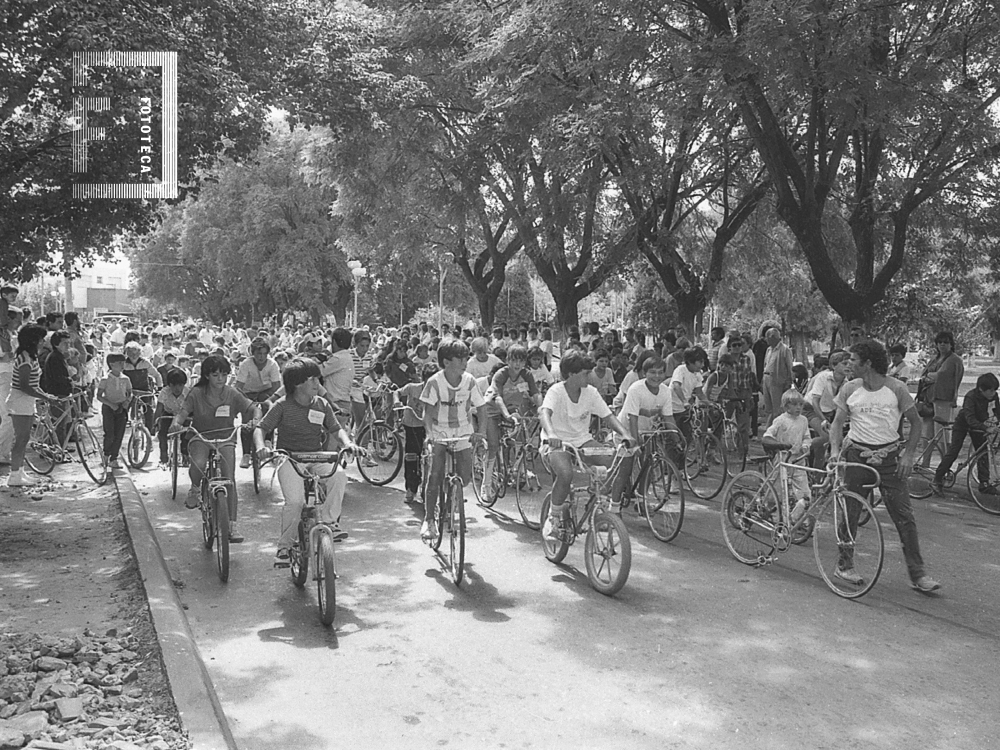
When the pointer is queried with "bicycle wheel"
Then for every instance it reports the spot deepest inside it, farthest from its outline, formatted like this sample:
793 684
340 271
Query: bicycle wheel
607 553
207 518
41 453
985 491
298 557
255 466
705 466
221 505
531 485
498 483
456 530
443 516
928 459
382 458
838 549
479 451
175 460
749 512
140 444
326 579
555 549
91 455
735 447
663 499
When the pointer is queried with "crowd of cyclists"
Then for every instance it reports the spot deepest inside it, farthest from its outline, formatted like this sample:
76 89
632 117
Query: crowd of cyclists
304 388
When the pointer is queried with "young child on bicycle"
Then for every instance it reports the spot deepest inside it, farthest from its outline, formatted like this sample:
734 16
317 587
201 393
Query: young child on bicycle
973 421
114 391
413 430
512 390
790 432
449 397
169 402
565 417
303 421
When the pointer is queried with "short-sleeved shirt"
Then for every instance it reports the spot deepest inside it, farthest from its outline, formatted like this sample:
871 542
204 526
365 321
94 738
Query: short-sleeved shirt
874 415
689 381
213 418
479 369
261 379
172 404
638 398
824 386
338 373
455 403
301 429
604 384
513 391
790 430
571 421
413 414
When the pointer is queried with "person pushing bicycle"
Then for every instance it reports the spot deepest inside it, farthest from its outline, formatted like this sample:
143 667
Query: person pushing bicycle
973 421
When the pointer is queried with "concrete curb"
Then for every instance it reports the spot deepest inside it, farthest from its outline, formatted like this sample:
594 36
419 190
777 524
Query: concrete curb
194 694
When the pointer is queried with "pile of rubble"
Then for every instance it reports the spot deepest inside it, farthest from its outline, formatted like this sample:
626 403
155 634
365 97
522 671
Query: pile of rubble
82 692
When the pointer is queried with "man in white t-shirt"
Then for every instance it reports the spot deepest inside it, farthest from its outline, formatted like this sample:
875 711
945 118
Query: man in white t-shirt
874 403
565 418
482 362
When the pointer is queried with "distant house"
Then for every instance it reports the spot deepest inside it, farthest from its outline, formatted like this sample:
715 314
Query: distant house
102 288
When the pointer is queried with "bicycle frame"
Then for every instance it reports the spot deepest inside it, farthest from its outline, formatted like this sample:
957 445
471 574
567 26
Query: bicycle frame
597 476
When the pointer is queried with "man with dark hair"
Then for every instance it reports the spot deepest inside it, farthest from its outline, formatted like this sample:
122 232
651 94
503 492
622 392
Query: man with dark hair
338 372
874 403
716 347
972 421
56 378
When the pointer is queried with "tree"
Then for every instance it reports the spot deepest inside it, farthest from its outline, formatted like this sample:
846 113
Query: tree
868 111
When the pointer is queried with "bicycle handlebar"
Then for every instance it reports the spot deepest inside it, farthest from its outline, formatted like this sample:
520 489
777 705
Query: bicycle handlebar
213 442
334 458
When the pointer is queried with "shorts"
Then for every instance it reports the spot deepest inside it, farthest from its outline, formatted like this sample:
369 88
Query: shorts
20 404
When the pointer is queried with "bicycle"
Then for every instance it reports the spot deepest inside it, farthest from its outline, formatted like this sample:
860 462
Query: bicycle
45 449
449 507
704 456
315 539
381 459
925 468
140 442
518 464
656 486
607 548
214 503
757 523
734 442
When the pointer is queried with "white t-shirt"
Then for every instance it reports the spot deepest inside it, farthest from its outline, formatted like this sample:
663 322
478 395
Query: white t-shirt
788 429
570 421
638 398
455 404
479 369
823 386
874 415
689 381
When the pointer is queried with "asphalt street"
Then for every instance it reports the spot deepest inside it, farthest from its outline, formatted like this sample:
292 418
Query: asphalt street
697 651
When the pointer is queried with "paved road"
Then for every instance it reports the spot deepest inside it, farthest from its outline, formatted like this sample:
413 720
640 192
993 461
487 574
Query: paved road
697 651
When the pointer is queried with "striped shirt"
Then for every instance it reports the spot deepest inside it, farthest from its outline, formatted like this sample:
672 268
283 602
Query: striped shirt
454 417
34 374
301 429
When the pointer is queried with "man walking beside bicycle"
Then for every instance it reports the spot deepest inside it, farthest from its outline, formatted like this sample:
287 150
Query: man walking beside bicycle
972 421
874 403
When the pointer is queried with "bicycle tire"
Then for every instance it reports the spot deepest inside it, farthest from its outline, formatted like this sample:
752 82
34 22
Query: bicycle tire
207 518
736 449
91 454
441 513
456 530
663 499
175 460
479 453
705 477
922 477
140 445
988 502
748 510
382 458
499 480
867 544
607 553
555 549
298 558
326 579
530 487
255 467
40 454
221 505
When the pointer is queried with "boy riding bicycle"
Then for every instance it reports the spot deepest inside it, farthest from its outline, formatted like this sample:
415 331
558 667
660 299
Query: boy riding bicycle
449 396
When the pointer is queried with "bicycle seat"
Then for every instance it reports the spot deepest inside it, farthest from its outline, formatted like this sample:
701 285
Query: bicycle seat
943 422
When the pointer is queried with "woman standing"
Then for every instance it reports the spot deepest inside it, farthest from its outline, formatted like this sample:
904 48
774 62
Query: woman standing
212 406
21 400
939 383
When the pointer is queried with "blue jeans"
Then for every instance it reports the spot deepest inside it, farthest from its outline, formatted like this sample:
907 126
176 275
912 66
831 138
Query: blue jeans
895 497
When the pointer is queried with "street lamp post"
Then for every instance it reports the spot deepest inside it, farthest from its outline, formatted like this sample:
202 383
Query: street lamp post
358 271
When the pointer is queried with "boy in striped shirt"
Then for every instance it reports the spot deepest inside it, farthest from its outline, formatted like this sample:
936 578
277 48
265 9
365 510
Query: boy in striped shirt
449 396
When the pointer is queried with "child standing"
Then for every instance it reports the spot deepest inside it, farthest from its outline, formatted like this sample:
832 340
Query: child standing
115 393
790 432
449 397
169 402
413 429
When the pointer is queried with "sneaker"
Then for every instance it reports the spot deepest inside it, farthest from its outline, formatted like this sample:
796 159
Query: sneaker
193 499
235 537
988 489
281 558
20 479
339 534
428 530
938 489
245 461
925 585
552 528
850 575
114 463
410 497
